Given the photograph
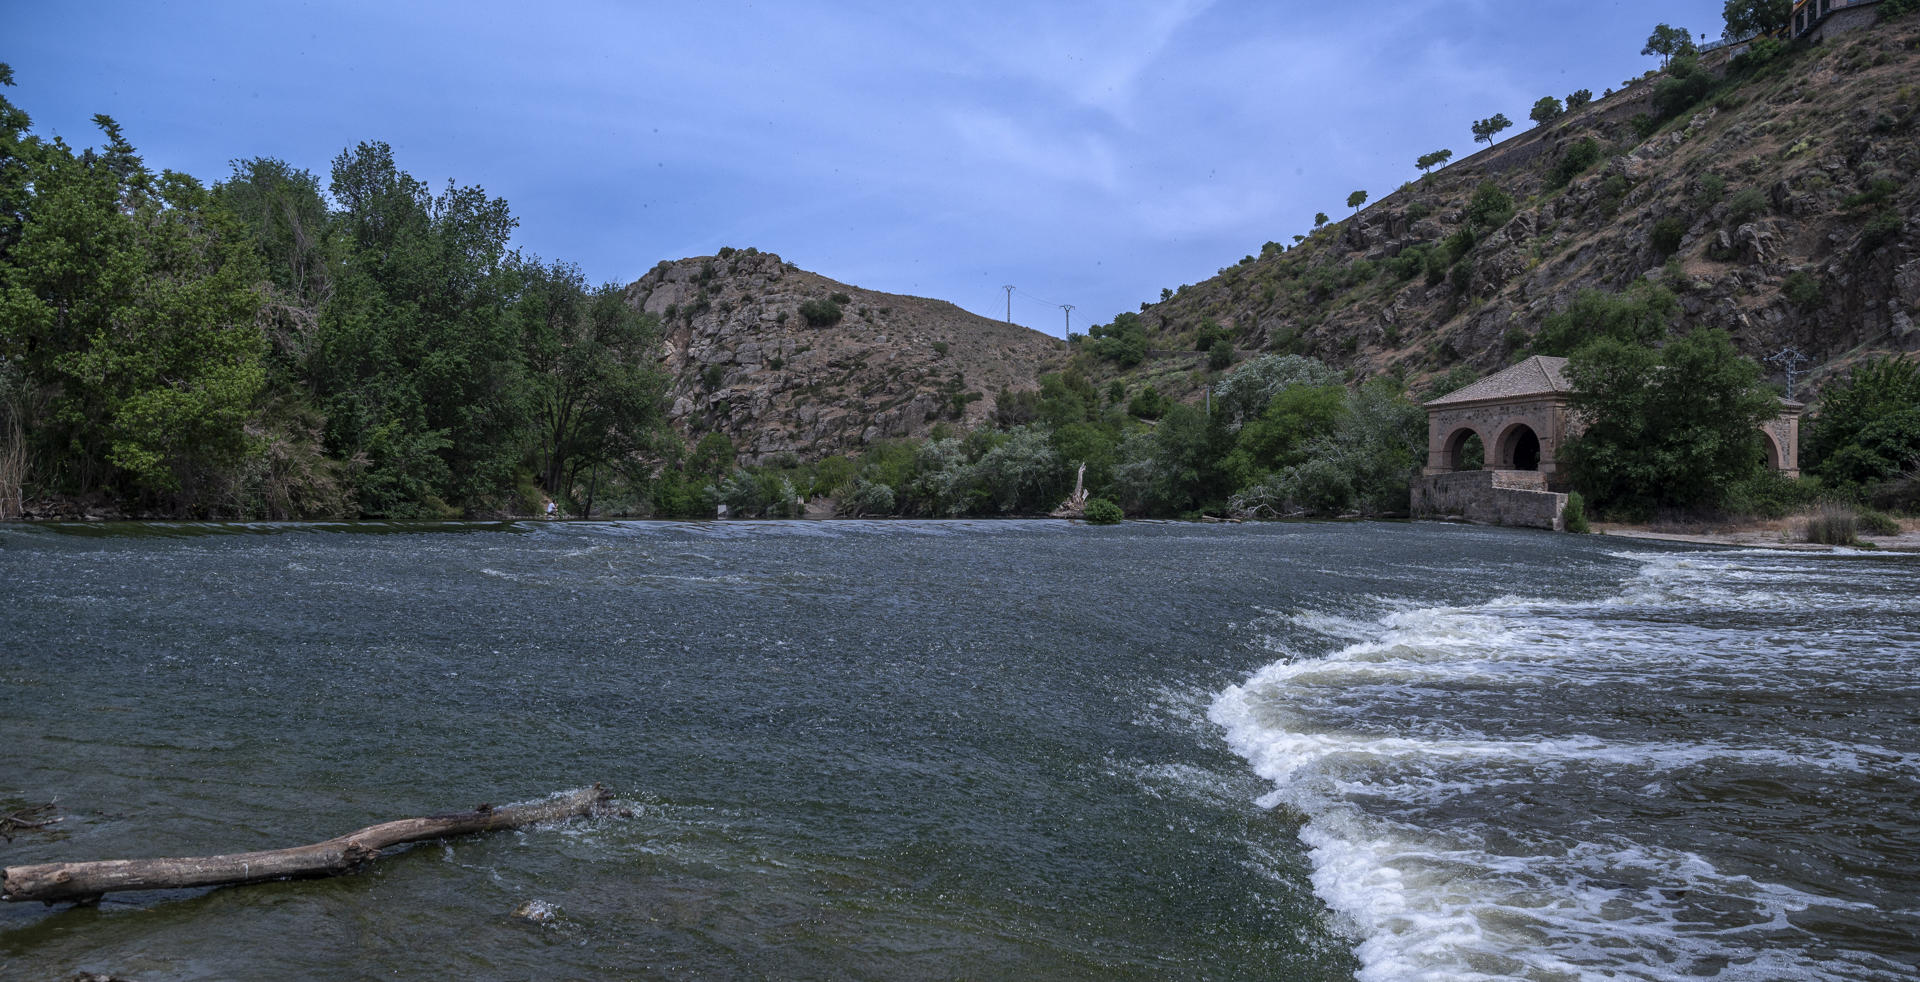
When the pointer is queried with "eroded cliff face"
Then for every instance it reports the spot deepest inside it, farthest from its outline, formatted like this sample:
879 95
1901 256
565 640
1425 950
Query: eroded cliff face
1785 211
746 360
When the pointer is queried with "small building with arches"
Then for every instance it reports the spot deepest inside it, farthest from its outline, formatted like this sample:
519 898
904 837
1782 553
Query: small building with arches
1493 447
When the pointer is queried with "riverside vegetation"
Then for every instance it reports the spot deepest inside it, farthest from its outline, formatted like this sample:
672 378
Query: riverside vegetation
265 347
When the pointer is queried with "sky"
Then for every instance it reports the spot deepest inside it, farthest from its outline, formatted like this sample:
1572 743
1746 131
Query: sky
1085 153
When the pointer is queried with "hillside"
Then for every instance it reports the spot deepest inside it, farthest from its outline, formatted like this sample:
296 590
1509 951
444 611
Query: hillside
1779 206
746 360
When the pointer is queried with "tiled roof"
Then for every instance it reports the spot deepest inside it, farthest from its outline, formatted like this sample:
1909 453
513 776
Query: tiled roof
1537 376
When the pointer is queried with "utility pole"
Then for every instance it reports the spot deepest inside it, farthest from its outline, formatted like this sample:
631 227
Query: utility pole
1789 359
1069 309
1009 289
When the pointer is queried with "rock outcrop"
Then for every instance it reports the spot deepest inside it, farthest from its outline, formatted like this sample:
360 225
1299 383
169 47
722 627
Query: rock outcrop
746 360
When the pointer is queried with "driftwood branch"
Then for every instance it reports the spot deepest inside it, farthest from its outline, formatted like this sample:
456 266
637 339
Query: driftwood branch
87 881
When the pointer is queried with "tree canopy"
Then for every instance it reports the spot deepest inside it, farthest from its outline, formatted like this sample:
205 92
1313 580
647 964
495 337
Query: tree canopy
1485 130
1746 18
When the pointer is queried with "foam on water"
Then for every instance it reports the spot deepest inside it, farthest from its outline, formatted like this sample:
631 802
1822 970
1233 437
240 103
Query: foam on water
1503 790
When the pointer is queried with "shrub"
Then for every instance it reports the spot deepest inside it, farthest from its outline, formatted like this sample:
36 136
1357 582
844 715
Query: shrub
1831 524
840 298
1746 205
1220 355
1877 191
1770 494
1877 523
1575 161
1148 404
1898 8
1574 518
1100 511
1880 230
1579 99
1491 207
866 498
1712 187
1667 235
820 313
1801 290
941 348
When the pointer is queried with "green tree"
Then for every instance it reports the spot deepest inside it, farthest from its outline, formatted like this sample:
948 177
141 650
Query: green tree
1668 42
591 378
418 363
1428 161
1578 99
1355 200
1486 130
1670 427
1868 426
127 307
1319 219
1745 18
1546 110
1124 342
1293 419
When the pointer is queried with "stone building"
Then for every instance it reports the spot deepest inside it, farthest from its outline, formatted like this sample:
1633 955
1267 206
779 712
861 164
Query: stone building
1493 447
1817 20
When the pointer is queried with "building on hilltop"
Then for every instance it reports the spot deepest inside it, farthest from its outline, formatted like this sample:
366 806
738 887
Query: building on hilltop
1817 20
1519 419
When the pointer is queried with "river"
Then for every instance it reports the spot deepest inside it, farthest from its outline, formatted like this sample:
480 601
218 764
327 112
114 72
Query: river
983 750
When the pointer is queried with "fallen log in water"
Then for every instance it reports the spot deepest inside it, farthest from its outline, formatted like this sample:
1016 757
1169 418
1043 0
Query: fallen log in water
87 881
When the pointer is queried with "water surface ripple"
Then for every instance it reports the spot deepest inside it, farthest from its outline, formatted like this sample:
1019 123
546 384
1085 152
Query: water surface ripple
998 750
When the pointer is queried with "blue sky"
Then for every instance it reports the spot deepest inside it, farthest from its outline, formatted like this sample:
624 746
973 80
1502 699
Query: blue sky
1089 154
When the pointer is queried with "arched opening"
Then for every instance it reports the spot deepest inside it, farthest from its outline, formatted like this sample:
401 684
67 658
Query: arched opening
1519 449
1465 452
1769 451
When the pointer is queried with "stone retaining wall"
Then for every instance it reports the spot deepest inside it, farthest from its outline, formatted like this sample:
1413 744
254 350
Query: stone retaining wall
1490 498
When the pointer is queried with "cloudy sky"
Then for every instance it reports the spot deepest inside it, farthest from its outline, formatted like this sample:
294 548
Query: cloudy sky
1087 153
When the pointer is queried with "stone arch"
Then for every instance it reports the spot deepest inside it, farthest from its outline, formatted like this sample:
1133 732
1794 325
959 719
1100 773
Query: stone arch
1457 449
1518 449
1770 451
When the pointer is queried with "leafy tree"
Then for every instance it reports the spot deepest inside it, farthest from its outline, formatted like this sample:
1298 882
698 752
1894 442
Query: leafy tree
1490 208
417 361
127 305
1355 200
1669 427
1244 394
594 389
1023 475
1868 426
1124 342
1428 161
1292 420
1745 18
1579 99
1485 130
1100 511
1148 403
1319 219
1546 110
1668 42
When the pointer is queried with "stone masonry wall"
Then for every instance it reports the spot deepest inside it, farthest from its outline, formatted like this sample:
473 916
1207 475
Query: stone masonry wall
1480 496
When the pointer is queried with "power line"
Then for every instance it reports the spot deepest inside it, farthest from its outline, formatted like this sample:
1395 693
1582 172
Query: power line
1069 309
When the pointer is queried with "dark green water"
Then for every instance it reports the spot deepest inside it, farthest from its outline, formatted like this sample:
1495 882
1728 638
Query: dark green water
885 751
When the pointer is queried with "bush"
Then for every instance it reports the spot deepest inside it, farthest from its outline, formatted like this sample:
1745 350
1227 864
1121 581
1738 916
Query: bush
1898 8
1770 494
840 298
1801 290
866 498
1574 518
1880 230
1712 187
1876 523
1148 404
1575 162
1100 511
820 313
1220 355
1746 205
1831 524
1668 233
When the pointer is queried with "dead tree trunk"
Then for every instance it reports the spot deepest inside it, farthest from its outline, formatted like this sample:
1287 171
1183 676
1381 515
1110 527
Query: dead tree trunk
87 881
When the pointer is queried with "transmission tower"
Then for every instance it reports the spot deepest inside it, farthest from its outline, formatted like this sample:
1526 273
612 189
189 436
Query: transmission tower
1069 309
1009 289
1789 359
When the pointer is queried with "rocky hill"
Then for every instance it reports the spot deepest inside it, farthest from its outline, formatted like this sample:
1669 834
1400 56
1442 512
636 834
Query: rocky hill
787 362
1780 205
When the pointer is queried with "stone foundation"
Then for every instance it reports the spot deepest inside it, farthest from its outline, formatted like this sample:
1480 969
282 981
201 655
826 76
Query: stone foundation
1517 498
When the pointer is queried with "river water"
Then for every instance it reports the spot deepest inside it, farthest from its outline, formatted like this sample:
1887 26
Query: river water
1001 750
